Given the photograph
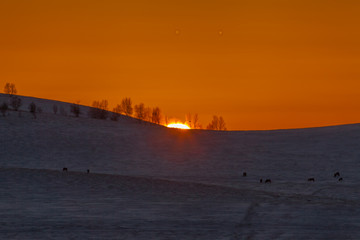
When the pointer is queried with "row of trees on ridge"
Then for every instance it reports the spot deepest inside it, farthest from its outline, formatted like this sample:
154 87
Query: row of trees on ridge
100 110
15 102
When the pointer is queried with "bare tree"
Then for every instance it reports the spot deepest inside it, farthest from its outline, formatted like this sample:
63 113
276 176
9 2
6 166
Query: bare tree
15 102
116 113
117 109
140 111
99 109
55 109
75 109
126 106
10 89
221 124
192 120
143 113
196 121
7 88
3 108
114 116
217 123
32 109
188 120
214 124
148 114
156 115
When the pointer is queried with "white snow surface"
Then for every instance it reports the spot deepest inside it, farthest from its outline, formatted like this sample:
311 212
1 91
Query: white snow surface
151 182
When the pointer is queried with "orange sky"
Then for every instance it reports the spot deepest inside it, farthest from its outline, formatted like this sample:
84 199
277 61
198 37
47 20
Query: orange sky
261 64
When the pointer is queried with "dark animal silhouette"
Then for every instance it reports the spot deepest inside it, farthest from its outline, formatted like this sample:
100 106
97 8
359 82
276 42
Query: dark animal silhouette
65 169
337 174
244 174
88 171
340 179
261 180
268 181
311 179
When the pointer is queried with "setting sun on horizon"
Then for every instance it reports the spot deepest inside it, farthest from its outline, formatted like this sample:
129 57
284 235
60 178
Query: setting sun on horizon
262 64
178 125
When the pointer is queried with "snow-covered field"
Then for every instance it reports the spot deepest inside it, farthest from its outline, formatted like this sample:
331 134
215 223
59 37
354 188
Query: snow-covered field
150 182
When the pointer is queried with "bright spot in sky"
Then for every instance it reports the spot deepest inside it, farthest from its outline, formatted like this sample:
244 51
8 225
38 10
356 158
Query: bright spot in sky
178 125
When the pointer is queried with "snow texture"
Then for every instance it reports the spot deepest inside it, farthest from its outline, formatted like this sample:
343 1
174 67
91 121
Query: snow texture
151 182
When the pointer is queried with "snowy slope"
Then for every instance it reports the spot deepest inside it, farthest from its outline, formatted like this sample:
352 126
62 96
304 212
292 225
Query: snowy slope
127 147
202 194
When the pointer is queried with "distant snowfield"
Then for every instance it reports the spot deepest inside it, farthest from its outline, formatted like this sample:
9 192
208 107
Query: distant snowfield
151 182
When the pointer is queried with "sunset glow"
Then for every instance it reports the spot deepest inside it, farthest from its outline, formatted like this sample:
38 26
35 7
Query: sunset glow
260 64
178 125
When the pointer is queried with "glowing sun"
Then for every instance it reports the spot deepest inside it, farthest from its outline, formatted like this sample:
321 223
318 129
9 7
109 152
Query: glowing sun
178 125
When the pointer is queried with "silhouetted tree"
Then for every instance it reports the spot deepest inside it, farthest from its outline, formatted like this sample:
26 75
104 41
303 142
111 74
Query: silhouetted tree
117 109
3 108
10 89
148 114
156 115
217 123
126 106
188 120
32 109
221 124
214 124
55 108
15 102
140 111
99 109
192 120
114 116
116 113
75 109
196 121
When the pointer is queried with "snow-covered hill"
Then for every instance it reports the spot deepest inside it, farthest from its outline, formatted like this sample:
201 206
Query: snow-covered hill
128 147
179 184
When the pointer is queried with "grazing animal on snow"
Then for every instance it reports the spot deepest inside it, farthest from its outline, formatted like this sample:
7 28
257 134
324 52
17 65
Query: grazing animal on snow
65 169
337 174
244 174
340 179
268 181
261 180
311 179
